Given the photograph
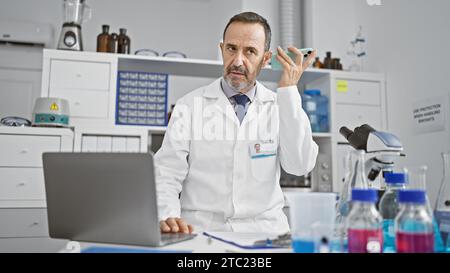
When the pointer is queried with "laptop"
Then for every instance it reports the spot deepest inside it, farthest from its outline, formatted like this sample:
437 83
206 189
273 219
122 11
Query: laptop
105 198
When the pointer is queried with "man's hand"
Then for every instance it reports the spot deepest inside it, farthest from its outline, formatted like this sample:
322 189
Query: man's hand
293 69
175 225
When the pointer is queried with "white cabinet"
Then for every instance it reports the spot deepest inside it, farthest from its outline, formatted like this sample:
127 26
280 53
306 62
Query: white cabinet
23 212
355 99
86 80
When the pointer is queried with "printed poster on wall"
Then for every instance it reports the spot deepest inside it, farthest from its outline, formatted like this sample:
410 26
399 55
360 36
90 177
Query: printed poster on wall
430 115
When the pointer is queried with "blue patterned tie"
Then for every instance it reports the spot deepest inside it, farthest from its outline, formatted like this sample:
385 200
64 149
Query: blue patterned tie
241 102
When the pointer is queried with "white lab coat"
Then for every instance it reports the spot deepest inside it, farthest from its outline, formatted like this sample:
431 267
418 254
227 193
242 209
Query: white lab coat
222 187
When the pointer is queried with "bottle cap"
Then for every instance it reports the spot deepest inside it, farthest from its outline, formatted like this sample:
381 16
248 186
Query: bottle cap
312 92
365 195
123 30
395 178
412 196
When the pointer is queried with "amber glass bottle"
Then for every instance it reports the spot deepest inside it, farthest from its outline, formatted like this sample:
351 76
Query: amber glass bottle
102 39
123 42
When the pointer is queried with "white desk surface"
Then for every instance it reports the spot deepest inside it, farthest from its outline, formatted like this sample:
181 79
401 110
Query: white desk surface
199 244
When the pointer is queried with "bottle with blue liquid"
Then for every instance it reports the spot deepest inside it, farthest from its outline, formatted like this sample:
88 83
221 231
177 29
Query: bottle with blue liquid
389 207
414 231
316 108
416 176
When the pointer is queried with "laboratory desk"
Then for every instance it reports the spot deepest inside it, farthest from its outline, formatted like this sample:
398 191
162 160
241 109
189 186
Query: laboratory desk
199 244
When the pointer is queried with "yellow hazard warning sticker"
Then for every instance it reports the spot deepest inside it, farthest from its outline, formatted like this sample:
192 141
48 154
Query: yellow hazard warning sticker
54 107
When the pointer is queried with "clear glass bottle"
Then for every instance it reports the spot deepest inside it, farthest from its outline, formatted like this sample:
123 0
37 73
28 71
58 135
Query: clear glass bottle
413 224
364 223
389 207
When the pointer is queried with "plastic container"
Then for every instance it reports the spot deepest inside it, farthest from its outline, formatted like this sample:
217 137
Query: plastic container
364 223
413 224
316 107
389 207
312 220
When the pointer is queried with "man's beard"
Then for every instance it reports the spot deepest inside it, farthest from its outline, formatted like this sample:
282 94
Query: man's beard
238 85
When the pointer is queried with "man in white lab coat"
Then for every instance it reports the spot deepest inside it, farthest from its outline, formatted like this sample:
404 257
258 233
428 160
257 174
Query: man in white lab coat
219 165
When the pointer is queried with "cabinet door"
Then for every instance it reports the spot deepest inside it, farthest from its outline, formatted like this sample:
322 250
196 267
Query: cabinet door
360 92
23 223
84 103
352 116
26 150
79 75
22 184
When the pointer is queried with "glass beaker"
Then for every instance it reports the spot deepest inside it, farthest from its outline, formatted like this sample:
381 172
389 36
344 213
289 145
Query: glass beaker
442 206
443 200
355 177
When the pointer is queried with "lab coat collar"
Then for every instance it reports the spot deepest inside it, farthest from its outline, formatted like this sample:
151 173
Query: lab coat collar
214 91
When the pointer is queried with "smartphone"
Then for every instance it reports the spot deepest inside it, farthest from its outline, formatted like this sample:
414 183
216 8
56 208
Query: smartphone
276 64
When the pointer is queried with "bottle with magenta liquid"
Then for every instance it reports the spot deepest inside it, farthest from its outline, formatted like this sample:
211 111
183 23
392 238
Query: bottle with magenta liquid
413 224
364 223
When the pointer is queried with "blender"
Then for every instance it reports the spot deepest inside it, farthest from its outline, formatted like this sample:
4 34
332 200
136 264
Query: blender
75 12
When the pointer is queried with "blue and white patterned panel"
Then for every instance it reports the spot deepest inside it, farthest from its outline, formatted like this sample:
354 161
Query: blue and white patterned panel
141 98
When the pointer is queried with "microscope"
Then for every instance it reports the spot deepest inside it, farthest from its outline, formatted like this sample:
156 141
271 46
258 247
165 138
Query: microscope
381 148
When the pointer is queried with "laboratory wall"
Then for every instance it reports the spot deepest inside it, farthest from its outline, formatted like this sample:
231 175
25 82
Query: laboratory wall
193 27
408 41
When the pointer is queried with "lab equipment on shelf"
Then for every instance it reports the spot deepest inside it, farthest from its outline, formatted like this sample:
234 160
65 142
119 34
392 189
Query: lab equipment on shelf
364 223
316 107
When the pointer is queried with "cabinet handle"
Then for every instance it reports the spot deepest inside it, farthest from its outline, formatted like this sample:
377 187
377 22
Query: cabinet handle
35 224
77 103
24 151
325 177
21 184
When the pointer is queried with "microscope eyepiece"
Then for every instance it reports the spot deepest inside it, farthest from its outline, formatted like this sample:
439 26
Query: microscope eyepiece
346 132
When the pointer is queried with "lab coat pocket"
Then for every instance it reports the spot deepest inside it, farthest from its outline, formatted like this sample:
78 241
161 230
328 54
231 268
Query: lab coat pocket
263 161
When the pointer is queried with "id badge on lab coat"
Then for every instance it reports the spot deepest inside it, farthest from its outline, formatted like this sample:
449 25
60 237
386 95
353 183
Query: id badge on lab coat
261 149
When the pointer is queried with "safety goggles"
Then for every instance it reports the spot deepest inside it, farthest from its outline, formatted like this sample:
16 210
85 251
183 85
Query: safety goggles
15 122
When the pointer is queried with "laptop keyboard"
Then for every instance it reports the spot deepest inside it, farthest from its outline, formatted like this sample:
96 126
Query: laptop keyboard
168 238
